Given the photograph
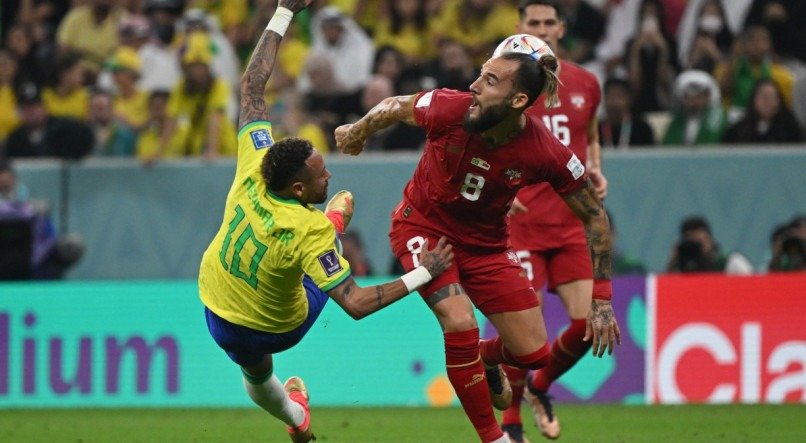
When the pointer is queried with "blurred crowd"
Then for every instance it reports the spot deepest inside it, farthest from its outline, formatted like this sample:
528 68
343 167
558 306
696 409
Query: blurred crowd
159 79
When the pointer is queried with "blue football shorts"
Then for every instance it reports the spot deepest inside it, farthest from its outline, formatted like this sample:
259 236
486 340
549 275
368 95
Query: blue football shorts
247 347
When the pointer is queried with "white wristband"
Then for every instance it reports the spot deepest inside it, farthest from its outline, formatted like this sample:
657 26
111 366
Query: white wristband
280 20
416 278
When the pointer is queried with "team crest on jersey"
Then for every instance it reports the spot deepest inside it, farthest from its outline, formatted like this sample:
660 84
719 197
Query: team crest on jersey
480 163
514 176
577 101
261 138
513 257
330 263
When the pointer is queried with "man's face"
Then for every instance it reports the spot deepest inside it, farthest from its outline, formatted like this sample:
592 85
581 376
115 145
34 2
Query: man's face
702 237
617 101
316 176
492 92
695 103
332 31
542 22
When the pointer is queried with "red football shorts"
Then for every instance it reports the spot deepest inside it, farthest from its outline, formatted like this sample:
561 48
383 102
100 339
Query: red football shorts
495 282
558 265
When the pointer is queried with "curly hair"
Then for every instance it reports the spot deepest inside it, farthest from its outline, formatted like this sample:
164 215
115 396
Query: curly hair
284 161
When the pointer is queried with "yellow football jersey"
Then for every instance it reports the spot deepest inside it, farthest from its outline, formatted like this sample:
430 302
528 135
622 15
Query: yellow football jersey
251 274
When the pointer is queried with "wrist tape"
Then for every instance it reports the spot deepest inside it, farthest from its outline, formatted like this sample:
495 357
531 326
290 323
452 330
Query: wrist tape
416 278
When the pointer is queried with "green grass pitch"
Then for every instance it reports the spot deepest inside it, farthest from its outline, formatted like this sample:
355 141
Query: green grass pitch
581 423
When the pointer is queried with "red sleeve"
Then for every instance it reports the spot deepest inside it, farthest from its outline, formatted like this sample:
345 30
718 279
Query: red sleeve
440 108
596 95
563 169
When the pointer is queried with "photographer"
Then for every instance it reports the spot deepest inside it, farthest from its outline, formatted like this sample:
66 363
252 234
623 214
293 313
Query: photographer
697 251
789 246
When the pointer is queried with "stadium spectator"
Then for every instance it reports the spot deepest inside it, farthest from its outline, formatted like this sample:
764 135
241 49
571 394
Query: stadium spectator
390 63
225 63
42 135
621 128
768 120
295 122
148 141
698 118
131 103
113 137
454 68
407 30
585 26
698 251
399 136
155 48
66 95
710 40
353 251
786 21
9 118
41 254
546 235
479 152
478 25
752 59
91 30
33 59
200 99
788 244
651 59
256 311
337 39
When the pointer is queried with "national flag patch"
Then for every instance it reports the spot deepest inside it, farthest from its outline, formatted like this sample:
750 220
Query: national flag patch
480 163
261 138
330 263
575 166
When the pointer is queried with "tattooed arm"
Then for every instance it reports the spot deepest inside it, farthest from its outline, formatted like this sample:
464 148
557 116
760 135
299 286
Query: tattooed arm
601 325
359 302
350 138
256 75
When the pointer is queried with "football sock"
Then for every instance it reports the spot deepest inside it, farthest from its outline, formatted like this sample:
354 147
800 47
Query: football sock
568 349
494 352
517 379
272 397
466 374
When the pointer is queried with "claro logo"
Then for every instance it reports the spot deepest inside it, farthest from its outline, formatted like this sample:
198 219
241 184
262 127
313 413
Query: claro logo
734 370
88 364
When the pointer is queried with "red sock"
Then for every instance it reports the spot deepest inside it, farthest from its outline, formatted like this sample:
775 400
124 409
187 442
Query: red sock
565 352
466 373
493 353
517 377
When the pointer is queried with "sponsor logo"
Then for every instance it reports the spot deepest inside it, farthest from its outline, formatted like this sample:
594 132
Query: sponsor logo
480 163
330 263
575 166
424 100
261 138
477 378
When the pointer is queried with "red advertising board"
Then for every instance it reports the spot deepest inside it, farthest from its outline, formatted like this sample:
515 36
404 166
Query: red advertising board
718 339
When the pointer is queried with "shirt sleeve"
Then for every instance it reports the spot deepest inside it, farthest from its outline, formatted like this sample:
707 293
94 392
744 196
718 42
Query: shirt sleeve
254 140
321 259
563 169
440 108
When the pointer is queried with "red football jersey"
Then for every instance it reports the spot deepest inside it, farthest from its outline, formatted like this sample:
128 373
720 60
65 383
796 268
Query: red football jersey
462 188
549 222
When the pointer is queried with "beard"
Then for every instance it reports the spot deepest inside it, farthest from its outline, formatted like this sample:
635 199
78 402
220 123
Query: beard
486 119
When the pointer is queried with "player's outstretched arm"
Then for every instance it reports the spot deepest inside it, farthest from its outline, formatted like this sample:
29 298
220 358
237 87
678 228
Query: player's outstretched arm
359 302
601 325
260 66
350 138
594 166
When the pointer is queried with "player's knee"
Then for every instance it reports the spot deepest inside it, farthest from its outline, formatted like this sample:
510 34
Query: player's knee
458 322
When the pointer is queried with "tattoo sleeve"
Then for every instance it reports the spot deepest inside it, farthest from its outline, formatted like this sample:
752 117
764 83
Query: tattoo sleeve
255 77
389 111
591 211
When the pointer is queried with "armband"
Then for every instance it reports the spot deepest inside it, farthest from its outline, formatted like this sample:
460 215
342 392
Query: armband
416 278
280 20
602 289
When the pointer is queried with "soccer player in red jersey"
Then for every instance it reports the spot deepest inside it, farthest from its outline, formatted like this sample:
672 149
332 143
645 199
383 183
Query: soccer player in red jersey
481 149
547 237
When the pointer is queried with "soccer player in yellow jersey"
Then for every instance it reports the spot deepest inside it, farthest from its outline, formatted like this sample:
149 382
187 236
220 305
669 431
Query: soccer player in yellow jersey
274 262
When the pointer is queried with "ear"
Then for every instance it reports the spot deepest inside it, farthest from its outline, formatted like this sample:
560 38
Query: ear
519 100
298 189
